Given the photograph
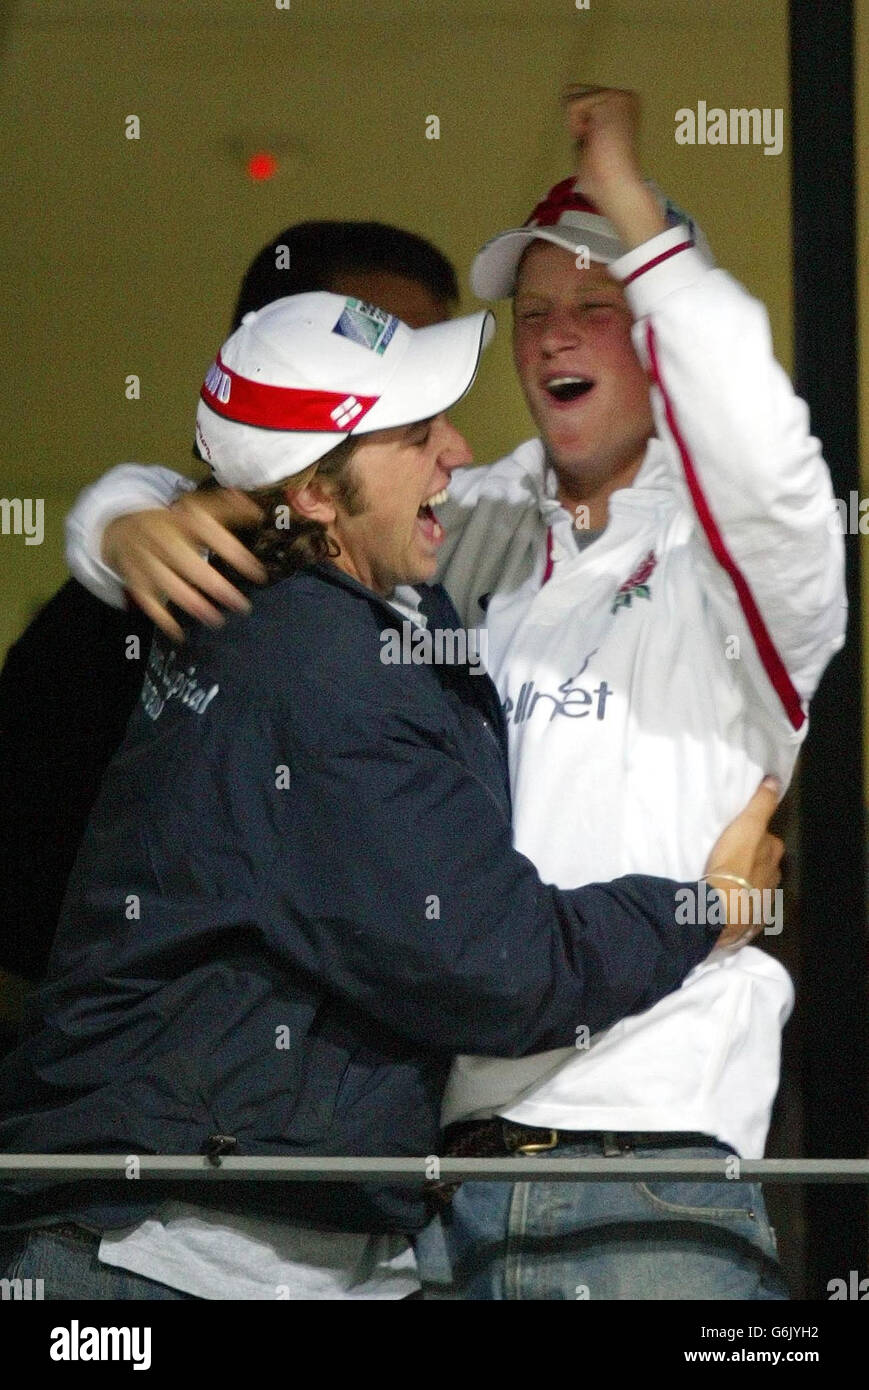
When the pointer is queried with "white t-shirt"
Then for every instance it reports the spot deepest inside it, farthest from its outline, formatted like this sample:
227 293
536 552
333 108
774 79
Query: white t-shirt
221 1255
627 755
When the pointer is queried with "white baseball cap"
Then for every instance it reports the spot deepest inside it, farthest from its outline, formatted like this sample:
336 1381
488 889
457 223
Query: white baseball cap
567 218
299 375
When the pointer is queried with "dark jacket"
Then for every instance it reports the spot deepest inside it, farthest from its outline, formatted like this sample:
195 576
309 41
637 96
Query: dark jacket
67 689
296 900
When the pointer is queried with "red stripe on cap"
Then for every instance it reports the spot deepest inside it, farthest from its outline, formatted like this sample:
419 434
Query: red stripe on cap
656 260
281 407
772 662
562 198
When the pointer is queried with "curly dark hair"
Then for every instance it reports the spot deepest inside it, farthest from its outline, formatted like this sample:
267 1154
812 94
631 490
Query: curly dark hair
285 542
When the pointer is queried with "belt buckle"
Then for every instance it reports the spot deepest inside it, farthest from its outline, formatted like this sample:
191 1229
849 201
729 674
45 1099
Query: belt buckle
541 1148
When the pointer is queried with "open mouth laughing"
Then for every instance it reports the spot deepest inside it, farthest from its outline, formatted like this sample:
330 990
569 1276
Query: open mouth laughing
428 522
567 389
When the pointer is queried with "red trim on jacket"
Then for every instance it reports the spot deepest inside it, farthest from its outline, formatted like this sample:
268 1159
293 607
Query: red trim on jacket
656 260
772 662
550 561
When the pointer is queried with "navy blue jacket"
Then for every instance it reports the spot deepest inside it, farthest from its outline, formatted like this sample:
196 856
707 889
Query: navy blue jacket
66 692
297 898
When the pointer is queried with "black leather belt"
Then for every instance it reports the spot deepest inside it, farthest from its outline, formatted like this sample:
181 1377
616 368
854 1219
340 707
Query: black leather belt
492 1138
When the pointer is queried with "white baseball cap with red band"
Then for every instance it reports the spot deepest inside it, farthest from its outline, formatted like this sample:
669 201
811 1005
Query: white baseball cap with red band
299 375
567 218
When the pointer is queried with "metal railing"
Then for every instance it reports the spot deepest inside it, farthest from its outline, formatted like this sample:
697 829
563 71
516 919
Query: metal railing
527 1168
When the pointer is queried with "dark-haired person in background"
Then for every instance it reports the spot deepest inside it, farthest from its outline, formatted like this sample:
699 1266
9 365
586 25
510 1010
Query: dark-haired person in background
67 688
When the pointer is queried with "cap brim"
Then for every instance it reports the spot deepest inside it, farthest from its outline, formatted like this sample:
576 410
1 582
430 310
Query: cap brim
250 456
437 369
493 271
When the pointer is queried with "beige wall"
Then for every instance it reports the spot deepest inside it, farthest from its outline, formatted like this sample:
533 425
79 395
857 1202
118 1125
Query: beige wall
122 256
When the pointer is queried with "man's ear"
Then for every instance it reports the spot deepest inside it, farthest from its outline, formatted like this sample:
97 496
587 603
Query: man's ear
313 502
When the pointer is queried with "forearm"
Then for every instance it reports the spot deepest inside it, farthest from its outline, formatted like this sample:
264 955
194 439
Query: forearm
508 964
633 209
130 487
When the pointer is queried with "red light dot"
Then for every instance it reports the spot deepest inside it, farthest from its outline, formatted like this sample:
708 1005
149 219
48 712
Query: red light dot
262 166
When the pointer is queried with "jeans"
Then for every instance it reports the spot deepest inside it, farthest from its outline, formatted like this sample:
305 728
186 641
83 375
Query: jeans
603 1240
67 1262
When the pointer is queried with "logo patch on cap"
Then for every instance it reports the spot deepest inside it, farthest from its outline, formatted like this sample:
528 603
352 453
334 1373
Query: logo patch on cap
219 382
367 325
345 413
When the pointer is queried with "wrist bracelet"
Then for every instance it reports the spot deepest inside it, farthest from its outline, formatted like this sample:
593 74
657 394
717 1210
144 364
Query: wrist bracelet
731 878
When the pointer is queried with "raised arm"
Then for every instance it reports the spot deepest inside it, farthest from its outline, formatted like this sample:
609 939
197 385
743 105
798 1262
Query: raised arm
752 476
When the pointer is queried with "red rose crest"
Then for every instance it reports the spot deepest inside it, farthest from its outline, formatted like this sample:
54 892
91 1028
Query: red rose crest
636 584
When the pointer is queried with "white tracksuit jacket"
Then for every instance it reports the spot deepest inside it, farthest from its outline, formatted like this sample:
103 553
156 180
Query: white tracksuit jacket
648 683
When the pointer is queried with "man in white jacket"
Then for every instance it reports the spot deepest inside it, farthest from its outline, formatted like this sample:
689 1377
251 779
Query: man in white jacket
661 593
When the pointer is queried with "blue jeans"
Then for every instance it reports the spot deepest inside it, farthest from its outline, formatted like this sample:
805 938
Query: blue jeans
69 1267
603 1240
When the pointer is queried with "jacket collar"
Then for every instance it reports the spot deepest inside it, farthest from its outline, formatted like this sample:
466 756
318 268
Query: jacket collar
651 481
409 600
